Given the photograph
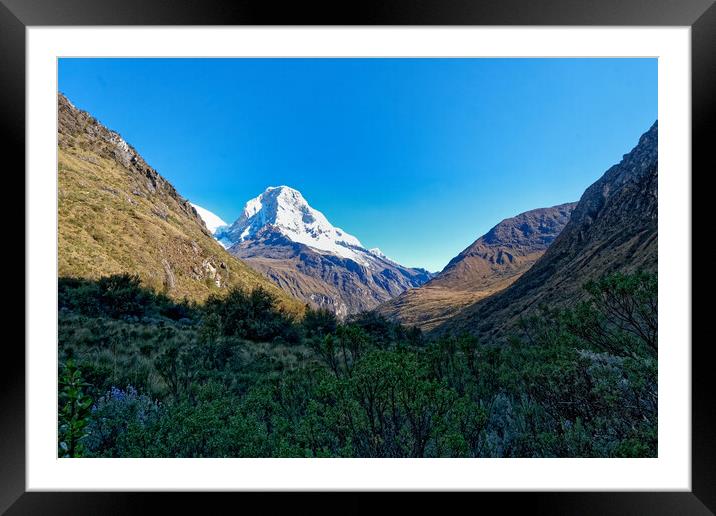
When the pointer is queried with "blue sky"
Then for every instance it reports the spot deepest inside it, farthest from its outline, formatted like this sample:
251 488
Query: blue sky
416 156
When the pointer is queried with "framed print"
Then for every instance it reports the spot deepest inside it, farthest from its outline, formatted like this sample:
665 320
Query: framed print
401 250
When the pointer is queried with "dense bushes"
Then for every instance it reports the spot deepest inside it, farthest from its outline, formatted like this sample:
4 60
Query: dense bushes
119 296
142 376
250 315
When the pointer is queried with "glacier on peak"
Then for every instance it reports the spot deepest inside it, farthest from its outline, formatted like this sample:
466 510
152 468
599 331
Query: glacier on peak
281 236
377 252
211 220
287 211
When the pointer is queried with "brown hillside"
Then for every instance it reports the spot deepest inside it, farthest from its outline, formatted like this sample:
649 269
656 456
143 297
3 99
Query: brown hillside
490 264
612 229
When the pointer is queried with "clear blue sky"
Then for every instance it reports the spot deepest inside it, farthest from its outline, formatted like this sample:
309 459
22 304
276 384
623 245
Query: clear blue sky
416 156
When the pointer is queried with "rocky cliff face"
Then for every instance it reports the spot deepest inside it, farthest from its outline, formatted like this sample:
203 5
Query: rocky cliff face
488 265
612 228
116 214
296 247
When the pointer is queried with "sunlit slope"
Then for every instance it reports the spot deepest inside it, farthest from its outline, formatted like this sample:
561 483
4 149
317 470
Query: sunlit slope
490 264
116 214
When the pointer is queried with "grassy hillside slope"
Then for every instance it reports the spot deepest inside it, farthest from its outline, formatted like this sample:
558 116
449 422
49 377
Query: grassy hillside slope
116 214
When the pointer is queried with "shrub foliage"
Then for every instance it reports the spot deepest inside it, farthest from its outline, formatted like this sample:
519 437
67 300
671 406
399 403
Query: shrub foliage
144 376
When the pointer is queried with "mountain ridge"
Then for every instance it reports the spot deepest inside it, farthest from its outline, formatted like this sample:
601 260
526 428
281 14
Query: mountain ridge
613 228
294 245
287 210
490 264
116 214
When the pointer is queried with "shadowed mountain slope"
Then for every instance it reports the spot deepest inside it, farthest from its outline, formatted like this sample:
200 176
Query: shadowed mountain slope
613 228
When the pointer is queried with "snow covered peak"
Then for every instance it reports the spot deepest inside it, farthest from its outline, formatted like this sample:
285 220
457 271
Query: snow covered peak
375 251
288 212
212 221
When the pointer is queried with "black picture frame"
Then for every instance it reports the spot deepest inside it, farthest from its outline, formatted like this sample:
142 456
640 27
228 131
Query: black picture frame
16 15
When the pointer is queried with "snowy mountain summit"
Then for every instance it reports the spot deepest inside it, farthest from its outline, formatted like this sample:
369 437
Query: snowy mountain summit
287 212
377 252
280 235
211 220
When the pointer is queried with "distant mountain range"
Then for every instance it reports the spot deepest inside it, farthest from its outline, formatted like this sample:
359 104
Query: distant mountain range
295 246
542 255
116 214
613 228
490 264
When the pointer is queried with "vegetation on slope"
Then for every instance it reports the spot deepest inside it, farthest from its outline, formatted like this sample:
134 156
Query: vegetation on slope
118 215
142 375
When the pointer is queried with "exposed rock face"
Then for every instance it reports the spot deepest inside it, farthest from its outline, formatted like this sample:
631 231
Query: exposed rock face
79 130
170 280
116 214
323 279
488 265
612 228
295 246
